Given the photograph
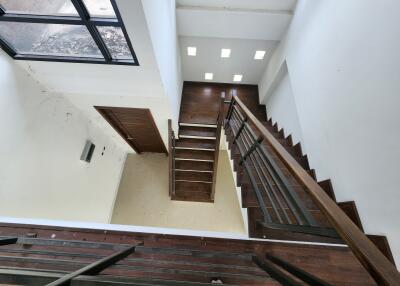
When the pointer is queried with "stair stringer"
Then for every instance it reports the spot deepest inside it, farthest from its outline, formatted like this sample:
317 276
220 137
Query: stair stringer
224 146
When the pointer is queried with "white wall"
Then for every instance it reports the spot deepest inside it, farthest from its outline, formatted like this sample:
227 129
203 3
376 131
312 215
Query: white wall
41 175
281 107
161 22
159 108
87 85
344 65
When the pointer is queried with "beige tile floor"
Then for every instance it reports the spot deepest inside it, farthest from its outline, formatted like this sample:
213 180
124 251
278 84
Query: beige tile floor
143 198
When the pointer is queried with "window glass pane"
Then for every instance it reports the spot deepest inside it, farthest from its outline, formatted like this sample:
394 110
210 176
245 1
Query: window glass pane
116 42
40 7
50 39
100 8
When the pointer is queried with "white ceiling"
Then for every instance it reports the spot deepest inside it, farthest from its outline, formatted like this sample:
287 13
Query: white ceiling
256 20
272 5
241 25
208 59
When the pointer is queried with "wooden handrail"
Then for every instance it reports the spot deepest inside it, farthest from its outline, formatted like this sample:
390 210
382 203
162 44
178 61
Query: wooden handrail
379 267
220 121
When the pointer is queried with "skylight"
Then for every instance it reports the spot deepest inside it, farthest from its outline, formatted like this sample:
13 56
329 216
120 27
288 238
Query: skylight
85 31
225 53
237 78
208 76
192 51
259 55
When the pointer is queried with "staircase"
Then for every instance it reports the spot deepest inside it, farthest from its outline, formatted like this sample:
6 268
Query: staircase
279 189
249 198
194 162
194 152
278 205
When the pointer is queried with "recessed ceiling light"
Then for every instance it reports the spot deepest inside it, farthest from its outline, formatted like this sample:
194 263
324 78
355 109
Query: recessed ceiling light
208 75
259 55
192 51
225 53
237 77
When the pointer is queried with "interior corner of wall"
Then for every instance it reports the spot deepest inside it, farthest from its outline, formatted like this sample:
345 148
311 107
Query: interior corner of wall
121 171
275 80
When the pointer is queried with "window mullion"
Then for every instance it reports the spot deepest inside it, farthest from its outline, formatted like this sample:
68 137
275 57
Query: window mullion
8 48
128 41
2 10
84 14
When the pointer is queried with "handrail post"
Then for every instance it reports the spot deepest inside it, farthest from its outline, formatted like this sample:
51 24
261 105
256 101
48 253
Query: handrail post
220 121
171 157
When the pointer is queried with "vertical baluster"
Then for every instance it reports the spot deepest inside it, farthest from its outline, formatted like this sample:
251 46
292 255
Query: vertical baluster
264 180
292 200
173 162
242 147
267 180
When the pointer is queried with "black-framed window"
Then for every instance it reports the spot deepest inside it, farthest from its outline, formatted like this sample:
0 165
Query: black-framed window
84 31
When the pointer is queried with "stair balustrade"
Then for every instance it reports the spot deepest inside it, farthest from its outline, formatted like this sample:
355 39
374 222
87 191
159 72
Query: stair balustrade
171 157
220 121
280 203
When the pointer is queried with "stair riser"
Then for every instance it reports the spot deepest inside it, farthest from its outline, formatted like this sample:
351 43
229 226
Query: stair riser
195 155
195 166
193 176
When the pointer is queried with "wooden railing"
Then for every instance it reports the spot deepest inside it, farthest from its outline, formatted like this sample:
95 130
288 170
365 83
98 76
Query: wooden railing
60 248
220 121
278 200
379 267
286 273
171 158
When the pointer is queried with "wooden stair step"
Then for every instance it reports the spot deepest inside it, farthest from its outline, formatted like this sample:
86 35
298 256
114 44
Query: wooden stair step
242 177
383 245
193 187
193 176
326 185
194 154
194 166
256 231
350 209
195 143
192 191
197 131
179 264
249 197
195 256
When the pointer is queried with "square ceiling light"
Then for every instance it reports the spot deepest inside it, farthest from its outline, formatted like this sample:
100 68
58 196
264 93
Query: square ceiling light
192 51
237 77
208 75
225 53
259 55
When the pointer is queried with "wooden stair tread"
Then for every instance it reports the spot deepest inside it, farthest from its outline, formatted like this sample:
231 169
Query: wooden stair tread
350 209
194 154
197 131
195 143
383 245
193 176
194 166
